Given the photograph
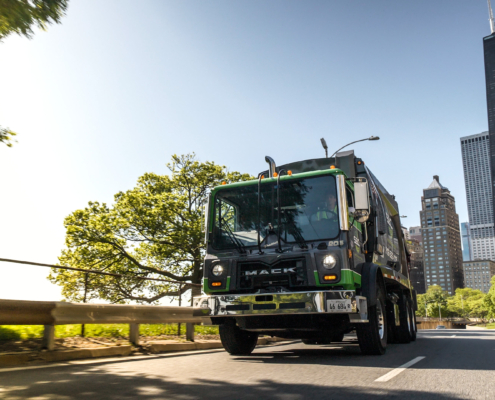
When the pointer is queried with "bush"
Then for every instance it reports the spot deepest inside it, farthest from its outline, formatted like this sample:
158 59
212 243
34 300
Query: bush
23 332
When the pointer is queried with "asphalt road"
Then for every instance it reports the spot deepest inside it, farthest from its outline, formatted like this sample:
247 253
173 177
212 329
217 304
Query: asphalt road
457 364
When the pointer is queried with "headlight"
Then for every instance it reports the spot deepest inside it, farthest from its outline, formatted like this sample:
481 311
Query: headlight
329 261
217 270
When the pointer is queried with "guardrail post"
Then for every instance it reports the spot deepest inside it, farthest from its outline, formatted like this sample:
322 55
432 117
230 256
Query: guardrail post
49 337
134 333
190 332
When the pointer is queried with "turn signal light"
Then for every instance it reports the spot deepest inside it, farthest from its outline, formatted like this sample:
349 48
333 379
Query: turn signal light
262 176
275 174
332 166
224 183
289 172
350 253
329 277
216 284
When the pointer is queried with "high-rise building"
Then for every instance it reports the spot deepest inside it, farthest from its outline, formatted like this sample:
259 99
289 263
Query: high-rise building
441 238
477 274
467 254
489 55
477 179
417 271
415 233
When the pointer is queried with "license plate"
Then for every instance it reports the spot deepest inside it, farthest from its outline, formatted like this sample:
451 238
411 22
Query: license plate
339 306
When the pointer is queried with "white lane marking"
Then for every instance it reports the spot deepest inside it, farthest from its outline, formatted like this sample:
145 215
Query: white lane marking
110 359
453 335
397 371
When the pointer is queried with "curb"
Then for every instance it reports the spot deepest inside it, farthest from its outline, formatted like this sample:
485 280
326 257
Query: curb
166 347
7 360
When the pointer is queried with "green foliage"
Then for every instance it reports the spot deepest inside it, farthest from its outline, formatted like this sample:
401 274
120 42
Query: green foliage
434 300
489 300
22 332
19 16
6 136
153 230
467 302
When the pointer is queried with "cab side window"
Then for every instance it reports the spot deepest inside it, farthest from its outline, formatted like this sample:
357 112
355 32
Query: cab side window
350 197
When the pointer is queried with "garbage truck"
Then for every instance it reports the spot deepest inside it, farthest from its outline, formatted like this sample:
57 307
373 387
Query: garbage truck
309 250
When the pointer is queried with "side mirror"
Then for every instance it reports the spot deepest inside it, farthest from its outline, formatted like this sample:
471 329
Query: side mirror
361 200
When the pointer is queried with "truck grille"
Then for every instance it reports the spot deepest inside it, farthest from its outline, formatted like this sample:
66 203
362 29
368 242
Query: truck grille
283 273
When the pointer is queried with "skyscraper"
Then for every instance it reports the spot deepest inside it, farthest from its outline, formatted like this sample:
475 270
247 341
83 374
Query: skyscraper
467 254
489 54
477 178
441 238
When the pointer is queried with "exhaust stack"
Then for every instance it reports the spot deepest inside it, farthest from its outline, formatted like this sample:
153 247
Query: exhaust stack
272 166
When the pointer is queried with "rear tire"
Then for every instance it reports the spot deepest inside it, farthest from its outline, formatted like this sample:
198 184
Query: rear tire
236 341
372 336
413 320
404 330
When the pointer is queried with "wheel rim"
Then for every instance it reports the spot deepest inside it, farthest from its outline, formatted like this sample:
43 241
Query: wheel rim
380 319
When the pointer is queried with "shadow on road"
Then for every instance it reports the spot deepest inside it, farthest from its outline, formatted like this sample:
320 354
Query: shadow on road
80 383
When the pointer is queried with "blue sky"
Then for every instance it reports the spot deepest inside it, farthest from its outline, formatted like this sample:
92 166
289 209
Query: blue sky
116 89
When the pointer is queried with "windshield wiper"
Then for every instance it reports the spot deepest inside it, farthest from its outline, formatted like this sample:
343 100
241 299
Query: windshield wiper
295 231
237 243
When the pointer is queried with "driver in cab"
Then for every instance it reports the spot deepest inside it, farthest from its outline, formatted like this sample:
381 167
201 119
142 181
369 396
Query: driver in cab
326 210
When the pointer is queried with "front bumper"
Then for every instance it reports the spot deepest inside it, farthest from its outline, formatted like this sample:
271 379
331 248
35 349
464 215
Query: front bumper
289 303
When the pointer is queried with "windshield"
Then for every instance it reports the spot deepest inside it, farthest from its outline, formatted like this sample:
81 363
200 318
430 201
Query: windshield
308 212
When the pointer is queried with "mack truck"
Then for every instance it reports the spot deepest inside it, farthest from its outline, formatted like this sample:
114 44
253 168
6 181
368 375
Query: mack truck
309 250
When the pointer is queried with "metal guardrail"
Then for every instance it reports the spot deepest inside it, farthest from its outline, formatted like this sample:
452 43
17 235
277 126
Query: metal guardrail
51 313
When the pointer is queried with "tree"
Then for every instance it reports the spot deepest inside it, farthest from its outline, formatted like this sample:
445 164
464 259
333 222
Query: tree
153 230
19 16
466 302
6 136
434 300
489 300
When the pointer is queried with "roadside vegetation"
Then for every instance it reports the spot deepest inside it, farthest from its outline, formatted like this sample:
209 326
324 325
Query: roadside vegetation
465 303
24 332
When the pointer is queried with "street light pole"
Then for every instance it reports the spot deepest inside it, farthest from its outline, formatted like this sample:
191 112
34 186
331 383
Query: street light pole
360 140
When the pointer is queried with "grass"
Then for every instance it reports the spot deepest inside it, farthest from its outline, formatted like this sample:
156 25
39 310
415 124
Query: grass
489 326
23 332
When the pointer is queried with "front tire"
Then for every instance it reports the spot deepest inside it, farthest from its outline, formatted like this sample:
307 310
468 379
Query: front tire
236 341
372 336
